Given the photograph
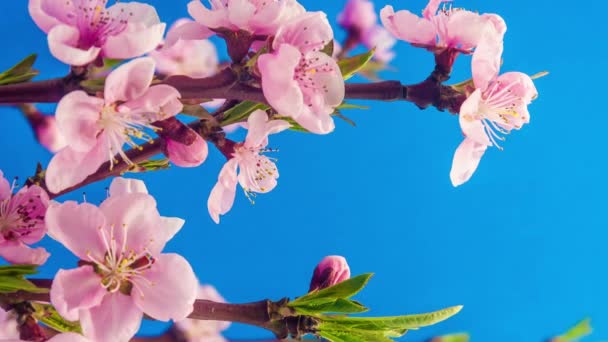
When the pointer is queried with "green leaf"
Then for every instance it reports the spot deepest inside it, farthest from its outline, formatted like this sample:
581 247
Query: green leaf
344 290
395 324
241 111
350 66
18 270
94 85
10 284
196 111
461 337
150 165
343 117
47 314
345 105
328 49
353 336
20 72
340 305
580 330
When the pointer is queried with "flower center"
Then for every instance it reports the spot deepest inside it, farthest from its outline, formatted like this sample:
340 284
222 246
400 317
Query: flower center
257 168
95 22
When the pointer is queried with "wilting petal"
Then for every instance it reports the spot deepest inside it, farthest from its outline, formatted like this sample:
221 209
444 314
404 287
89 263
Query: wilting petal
121 186
76 289
63 42
222 195
77 116
69 167
129 81
76 227
466 160
280 88
168 290
408 27
117 318
19 253
310 32
135 215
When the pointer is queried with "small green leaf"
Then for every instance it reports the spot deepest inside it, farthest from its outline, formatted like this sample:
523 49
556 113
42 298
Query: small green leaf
328 49
196 111
241 111
10 284
254 59
461 337
343 117
345 105
340 305
18 270
353 336
150 165
20 72
580 330
344 290
47 314
350 66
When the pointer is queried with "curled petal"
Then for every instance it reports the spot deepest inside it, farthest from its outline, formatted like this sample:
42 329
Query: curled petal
280 88
19 253
129 81
168 290
117 318
63 43
222 195
466 160
408 27
69 299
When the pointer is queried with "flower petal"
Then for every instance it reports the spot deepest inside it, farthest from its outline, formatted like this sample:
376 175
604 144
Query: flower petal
222 195
486 60
187 155
319 123
77 116
68 337
280 88
34 200
121 186
19 253
129 81
259 128
466 160
169 289
45 21
76 289
408 27
208 18
63 43
309 32
76 227
187 31
157 103
117 318
5 187
470 123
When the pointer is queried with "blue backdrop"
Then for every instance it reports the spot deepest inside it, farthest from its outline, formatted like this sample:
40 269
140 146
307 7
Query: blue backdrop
522 245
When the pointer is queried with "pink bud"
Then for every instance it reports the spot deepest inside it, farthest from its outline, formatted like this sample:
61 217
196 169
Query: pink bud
330 271
186 155
358 15
48 134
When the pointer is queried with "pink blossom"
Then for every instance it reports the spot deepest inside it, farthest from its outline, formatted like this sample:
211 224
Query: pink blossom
22 223
97 128
257 173
48 134
439 28
256 17
498 105
186 155
8 325
79 31
69 337
193 58
330 271
196 330
123 273
310 85
358 16
380 39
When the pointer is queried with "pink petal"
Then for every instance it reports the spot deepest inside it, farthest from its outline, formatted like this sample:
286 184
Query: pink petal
157 103
431 8
330 78
270 17
129 81
48 134
280 88
240 12
76 227
76 289
206 17
5 187
169 290
485 63
222 195
359 15
143 34
408 27
464 29
121 186
117 318
69 167
319 123
466 160
19 253
186 31
63 11
260 128
520 84
77 116
470 123
136 216
68 337
250 179
310 32
63 41
187 155
45 21
35 201
169 226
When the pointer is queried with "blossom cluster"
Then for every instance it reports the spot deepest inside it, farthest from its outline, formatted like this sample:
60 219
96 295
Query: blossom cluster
278 48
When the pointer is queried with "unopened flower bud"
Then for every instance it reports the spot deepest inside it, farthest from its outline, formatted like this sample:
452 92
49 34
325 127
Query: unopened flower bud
45 128
182 144
330 271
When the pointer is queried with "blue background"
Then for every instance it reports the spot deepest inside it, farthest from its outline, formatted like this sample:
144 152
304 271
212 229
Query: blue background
522 245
